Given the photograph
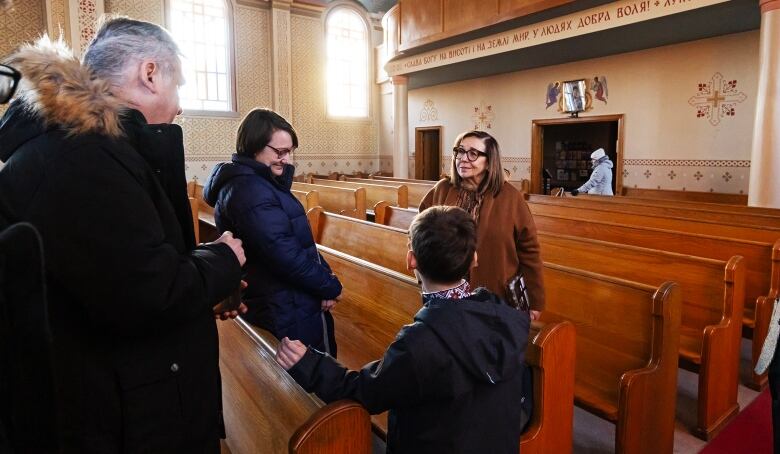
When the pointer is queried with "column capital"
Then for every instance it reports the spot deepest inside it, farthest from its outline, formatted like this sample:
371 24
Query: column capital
399 80
768 5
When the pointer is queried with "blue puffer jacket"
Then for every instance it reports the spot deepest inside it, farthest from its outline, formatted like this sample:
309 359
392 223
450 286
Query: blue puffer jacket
287 277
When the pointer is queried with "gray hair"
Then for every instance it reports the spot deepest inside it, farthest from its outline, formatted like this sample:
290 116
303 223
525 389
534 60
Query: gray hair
121 41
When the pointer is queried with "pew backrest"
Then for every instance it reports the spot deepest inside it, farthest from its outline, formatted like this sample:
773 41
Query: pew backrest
417 189
346 201
397 194
691 196
398 217
309 199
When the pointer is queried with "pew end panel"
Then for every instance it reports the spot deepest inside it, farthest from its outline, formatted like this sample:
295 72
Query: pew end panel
393 216
324 431
551 355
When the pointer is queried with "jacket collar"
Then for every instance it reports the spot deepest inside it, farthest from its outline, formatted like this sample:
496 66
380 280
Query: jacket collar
284 181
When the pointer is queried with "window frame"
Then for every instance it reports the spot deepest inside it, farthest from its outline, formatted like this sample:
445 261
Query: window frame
335 7
231 65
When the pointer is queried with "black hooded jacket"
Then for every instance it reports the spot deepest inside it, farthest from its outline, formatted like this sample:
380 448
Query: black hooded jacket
452 380
135 346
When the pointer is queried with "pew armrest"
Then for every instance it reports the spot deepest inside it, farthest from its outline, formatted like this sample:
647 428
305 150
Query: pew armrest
327 426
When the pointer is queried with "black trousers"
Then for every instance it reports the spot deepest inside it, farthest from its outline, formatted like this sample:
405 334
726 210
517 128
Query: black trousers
774 389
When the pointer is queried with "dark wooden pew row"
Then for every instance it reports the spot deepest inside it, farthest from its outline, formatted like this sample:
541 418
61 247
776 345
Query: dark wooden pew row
690 196
397 194
377 302
762 262
265 411
608 204
688 205
379 244
712 301
627 343
417 189
309 199
346 201
730 230
393 216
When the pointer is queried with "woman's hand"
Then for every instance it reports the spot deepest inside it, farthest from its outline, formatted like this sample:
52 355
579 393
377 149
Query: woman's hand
327 305
289 353
535 314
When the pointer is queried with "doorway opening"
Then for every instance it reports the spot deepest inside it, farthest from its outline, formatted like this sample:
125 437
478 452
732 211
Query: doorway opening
561 148
427 153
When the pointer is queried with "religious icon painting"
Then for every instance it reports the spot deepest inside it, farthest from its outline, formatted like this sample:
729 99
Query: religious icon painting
599 88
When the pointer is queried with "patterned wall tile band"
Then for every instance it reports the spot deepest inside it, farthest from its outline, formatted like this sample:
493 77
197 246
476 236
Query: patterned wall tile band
685 162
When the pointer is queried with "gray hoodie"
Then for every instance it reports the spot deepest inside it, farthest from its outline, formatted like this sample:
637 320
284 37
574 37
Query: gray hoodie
600 181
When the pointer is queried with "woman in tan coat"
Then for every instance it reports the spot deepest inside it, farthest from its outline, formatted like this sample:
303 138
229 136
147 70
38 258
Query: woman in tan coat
506 234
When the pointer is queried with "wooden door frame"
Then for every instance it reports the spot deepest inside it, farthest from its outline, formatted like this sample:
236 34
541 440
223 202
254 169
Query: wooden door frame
537 138
418 146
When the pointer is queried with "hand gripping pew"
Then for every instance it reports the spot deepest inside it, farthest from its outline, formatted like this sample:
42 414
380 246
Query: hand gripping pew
377 302
712 301
265 411
626 360
762 263
345 201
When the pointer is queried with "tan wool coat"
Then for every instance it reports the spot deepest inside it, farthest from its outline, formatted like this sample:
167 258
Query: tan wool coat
506 240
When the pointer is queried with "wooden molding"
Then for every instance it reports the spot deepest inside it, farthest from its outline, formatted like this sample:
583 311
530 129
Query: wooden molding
399 80
769 5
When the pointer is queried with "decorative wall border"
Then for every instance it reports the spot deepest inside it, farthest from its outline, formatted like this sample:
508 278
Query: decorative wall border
685 163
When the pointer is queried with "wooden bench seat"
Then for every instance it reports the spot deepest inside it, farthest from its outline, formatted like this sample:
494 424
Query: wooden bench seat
346 201
397 194
712 301
607 204
393 216
377 302
626 360
266 411
762 261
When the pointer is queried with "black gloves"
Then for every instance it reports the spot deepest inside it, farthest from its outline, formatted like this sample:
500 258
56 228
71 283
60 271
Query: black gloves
574 192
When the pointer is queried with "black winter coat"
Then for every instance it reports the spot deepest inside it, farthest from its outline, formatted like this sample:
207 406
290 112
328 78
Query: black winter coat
453 380
287 277
130 297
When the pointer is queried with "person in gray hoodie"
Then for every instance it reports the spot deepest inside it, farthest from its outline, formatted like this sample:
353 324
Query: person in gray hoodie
455 380
600 181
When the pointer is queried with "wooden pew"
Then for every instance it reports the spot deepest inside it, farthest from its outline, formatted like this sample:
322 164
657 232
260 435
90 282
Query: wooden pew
762 263
730 230
207 227
691 196
311 176
266 411
417 189
712 303
397 194
379 244
401 218
626 360
607 204
377 302
687 205
522 185
346 201
309 199
400 180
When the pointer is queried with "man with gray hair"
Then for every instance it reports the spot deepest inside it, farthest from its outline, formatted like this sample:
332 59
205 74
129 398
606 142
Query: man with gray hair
94 163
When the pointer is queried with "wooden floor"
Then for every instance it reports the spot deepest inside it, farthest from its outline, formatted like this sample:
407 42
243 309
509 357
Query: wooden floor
593 435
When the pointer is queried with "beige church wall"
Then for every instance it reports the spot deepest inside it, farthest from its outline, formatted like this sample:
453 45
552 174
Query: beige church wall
386 128
326 144
671 140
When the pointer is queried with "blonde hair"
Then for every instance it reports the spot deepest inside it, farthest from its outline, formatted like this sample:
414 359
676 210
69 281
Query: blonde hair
495 173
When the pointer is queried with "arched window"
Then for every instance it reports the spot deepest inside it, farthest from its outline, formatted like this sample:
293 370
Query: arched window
348 68
201 28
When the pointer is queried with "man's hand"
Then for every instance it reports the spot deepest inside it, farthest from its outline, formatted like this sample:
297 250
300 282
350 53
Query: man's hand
235 245
289 353
235 313
327 305
574 192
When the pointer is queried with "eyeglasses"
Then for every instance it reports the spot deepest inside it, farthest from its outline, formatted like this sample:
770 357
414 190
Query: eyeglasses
471 154
9 80
283 152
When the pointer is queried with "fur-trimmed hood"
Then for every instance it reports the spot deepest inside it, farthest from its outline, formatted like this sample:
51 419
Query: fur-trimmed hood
59 90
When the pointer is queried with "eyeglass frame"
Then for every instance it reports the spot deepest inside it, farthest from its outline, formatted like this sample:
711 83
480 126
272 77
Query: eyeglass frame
15 76
281 153
459 150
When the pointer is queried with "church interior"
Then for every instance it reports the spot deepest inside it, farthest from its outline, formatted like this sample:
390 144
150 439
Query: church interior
658 298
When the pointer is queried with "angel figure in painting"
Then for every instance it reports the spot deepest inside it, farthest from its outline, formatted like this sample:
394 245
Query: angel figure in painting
599 87
552 93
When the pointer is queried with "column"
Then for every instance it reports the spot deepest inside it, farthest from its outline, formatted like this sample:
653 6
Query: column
400 127
83 17
281 58
764 189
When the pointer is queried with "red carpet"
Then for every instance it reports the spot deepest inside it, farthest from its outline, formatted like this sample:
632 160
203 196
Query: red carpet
750 432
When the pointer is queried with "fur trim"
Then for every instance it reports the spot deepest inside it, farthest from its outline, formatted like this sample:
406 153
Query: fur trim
62 91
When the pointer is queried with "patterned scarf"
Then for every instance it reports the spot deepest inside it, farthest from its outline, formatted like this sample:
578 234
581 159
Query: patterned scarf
470 201
461 291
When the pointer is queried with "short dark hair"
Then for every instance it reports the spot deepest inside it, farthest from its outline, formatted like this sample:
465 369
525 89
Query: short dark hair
256 130
443 240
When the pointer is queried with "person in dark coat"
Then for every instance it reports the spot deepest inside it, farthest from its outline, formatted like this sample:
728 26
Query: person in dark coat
453 381
93 163
291 287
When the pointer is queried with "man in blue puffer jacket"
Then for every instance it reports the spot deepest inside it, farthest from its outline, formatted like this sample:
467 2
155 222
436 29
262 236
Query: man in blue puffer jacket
291 287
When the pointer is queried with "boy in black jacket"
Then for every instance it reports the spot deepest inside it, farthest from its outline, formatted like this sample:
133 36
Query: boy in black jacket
453 379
